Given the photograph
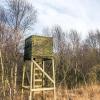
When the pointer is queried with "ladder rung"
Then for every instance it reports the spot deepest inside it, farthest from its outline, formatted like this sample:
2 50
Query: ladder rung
38 86
38 74
26 87
36 68
36 80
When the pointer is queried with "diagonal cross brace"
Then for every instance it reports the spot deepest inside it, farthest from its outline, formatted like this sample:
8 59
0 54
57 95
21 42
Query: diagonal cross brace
43 71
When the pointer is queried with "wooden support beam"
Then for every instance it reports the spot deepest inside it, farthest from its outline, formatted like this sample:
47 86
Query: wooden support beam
43 89
31 79
43 73
54 78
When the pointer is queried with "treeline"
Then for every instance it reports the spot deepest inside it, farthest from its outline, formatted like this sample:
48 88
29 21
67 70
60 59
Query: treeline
77 61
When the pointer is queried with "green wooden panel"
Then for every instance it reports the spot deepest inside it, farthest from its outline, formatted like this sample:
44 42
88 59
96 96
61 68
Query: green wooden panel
37 46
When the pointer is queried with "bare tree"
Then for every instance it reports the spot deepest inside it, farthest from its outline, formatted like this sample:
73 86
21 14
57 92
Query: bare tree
2 40
19 16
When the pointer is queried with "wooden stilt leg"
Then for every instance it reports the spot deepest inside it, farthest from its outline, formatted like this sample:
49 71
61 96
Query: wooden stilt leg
43 73
54 79
43 81
31 78
34 80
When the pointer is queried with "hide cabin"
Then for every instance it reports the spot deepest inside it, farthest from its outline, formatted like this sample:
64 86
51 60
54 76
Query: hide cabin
38 46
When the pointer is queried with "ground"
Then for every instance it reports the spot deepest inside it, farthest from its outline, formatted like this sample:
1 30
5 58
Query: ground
83 93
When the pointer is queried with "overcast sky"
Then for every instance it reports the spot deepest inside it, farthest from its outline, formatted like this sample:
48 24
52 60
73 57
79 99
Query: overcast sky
82 15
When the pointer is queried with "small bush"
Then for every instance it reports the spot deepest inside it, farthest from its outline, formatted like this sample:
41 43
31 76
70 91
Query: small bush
94 74
74 79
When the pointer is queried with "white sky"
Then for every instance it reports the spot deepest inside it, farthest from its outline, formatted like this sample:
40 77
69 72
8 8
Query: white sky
82 15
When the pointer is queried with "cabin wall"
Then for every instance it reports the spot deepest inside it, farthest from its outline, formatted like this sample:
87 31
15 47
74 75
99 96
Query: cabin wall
38 46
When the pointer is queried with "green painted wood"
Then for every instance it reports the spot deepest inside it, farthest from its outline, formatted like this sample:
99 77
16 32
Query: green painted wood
38 46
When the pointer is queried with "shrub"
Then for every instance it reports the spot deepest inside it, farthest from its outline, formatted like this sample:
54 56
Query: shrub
94 74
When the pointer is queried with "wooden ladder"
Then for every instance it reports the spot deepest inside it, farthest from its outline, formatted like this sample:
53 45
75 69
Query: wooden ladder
38 81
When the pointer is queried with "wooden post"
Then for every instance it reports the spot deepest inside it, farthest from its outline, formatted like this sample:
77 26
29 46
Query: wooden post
31 78
43 81
54 78
43 73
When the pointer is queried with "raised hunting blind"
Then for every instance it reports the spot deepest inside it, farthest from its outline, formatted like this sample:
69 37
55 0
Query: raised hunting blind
38 46
38 69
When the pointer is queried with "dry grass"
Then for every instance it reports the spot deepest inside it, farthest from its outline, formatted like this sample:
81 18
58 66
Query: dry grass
83 93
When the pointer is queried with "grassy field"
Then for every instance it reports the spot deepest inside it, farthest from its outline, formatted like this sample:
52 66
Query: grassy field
83 93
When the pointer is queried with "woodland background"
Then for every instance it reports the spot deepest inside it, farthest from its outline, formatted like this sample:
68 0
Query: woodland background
77 60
